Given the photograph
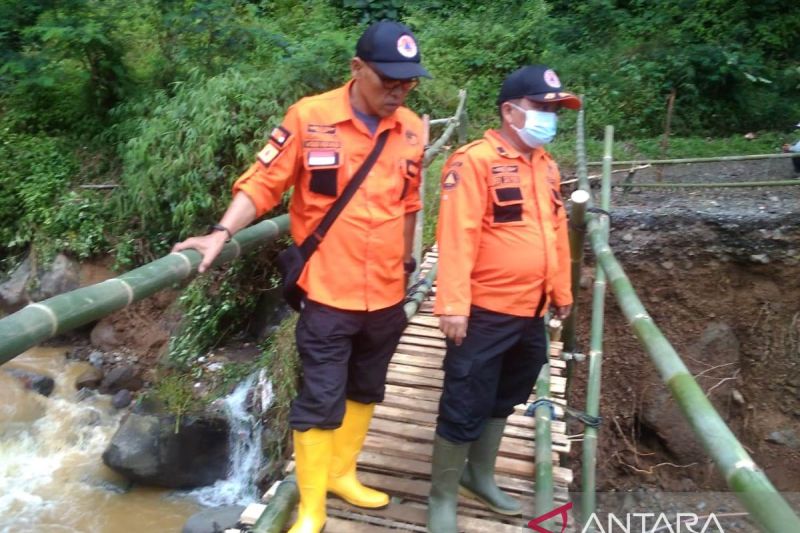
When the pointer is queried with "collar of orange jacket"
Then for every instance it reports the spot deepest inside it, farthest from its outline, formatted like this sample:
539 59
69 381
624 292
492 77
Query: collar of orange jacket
344 111
505 149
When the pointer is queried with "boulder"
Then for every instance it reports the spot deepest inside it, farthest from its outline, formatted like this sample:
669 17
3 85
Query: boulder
713 357
13 293
30 380
62 276
89 379
122 399
214 520
146 449
121 377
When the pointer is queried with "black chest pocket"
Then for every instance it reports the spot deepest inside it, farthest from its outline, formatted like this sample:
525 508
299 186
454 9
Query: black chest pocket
506 205
323 167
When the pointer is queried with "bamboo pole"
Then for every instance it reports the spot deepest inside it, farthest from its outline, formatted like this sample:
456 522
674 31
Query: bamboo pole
42 320
577 232
593 385
543 501
415 298
697 159
743 184
436 147
279 508
752 488
419 224
580 147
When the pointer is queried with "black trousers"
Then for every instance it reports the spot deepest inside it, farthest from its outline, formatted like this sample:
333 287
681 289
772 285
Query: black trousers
344 355
493 370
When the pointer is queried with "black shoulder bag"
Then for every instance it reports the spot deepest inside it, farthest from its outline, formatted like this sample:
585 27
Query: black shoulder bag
293 259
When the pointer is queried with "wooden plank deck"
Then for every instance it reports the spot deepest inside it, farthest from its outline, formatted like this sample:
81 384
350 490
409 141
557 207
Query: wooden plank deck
397 452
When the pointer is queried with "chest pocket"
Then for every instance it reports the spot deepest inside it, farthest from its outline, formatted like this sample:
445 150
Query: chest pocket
323 167
507 205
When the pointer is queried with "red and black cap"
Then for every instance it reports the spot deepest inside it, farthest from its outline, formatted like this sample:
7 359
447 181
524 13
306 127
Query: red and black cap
391 49
538 83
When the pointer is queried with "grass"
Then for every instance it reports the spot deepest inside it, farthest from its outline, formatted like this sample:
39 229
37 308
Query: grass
679 147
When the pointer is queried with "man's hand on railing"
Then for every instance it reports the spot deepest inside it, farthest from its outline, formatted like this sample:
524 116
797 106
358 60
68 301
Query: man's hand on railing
208 246
454 327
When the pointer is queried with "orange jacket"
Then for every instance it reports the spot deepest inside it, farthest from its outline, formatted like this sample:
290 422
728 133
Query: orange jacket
317 149
502 232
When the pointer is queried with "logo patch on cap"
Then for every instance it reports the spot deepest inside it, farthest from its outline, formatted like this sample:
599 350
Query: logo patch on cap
551 79
406 46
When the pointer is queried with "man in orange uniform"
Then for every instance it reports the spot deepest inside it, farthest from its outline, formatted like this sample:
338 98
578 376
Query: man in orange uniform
353 316
503 260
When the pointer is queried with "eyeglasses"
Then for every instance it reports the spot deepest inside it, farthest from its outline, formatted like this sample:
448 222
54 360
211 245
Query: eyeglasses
390 84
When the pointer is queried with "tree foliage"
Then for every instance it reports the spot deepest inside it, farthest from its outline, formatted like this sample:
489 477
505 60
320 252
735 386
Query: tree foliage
170 99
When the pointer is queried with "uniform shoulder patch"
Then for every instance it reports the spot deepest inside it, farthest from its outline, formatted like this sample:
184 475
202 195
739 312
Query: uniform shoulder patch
268 154
450 180
280 135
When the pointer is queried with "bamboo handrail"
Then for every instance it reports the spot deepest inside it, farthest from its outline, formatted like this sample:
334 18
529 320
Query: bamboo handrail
729 184
699 159
593 385
751 486
41 320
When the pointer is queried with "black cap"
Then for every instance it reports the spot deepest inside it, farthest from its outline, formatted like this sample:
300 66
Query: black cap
538 83
392 50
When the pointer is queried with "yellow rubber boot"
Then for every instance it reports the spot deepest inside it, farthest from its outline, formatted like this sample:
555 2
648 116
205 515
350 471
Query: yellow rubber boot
312 456
347 443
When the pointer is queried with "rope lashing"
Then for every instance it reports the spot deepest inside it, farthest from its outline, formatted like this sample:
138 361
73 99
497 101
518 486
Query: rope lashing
586 419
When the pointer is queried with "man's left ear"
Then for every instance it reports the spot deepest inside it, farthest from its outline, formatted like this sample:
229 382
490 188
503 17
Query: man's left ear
356 66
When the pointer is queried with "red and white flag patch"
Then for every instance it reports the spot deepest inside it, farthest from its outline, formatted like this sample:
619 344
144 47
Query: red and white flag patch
322 158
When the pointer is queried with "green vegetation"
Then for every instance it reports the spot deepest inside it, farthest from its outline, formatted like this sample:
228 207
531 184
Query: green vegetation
167 102
281 363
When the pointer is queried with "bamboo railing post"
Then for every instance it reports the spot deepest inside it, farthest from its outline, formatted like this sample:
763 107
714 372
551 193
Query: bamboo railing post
419 224
577 234
593 385
543 501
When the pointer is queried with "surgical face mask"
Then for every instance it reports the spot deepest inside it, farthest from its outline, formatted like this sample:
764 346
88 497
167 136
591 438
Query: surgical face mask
540 127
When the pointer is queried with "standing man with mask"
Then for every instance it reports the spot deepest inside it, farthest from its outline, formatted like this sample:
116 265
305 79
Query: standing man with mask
353 316
503 260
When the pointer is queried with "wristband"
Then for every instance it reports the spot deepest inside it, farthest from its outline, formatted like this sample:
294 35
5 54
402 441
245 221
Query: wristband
220 227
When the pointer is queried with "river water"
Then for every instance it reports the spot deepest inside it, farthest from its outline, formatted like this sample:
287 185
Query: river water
52 478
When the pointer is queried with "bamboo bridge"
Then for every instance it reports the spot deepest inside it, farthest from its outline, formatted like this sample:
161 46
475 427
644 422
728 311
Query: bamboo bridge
396 455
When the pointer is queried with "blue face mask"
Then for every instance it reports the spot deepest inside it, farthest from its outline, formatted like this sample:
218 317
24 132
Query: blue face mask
540 127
